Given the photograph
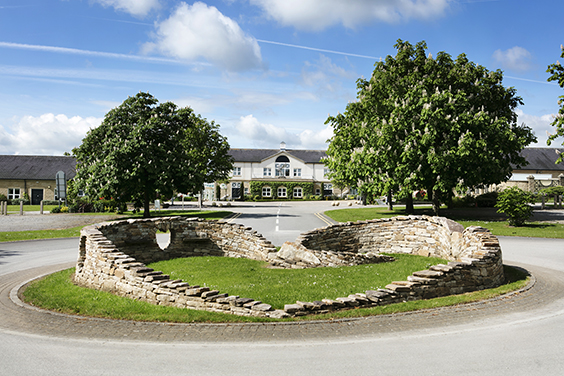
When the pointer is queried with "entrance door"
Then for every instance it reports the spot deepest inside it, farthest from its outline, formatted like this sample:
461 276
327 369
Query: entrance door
36 196
236 191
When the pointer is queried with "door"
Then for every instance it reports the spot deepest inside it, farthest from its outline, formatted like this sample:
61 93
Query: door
36 196
235 191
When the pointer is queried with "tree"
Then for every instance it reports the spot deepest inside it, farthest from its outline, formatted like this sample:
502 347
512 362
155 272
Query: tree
427 123
145 149
516 204
557 74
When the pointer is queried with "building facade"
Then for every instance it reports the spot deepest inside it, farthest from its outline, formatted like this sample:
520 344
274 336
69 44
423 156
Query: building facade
276 173
33 177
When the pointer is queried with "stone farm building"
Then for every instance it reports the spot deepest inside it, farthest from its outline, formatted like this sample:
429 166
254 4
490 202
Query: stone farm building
33 175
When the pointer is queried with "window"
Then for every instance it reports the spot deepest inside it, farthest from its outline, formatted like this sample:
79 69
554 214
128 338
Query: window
266 192
282 169
297 172
317 191
325 172
281 191
236 171
13 193
246 191
267 171
298 193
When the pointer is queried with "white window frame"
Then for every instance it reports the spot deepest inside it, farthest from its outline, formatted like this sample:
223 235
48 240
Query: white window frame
266 192
236 171
282 169
298 172
266 171
12 195
298 192
282 192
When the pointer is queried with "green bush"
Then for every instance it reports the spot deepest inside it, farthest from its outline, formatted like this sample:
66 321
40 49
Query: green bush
16 201
3 197
514 202
487 200
50 202
55 210
64 209
553 191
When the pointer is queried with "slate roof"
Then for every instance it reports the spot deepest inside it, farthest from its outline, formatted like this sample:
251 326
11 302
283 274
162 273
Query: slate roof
258 155
38 167
542 159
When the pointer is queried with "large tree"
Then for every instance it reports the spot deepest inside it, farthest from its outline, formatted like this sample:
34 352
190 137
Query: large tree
557 74
145 149
427 123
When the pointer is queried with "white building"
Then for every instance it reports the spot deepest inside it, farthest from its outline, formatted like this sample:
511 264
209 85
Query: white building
277 173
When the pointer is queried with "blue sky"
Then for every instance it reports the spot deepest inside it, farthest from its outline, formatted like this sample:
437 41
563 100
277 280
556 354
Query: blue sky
265 70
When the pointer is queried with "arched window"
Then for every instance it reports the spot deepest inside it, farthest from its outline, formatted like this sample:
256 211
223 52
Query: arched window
298 193
282 166
282 158
266 192
282 192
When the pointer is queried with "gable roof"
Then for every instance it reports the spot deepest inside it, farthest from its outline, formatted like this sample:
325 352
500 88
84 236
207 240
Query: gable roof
38 167
542 159
258 155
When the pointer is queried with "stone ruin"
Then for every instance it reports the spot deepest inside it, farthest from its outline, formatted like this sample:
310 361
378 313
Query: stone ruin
113 258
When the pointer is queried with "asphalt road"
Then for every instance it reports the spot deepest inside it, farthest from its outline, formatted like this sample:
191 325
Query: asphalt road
518 335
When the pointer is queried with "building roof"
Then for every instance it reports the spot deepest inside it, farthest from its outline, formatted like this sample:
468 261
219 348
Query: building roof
258 155
542 159
38 167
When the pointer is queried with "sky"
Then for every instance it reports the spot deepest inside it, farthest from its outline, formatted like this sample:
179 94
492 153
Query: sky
266 71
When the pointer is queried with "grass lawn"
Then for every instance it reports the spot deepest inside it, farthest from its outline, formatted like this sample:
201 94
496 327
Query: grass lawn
31 208
466 217
251 279
56 292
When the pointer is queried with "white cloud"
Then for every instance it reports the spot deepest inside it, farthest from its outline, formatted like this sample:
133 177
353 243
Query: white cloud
138 8
320 14
325 75
203 32
268 135
516 59
47 134
540 125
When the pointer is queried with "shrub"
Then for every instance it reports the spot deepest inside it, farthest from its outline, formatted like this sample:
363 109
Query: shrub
55 210
3 197
16 201
50 202
64 209
487 200
514 202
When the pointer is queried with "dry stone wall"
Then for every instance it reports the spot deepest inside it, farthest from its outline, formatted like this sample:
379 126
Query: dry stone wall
113 257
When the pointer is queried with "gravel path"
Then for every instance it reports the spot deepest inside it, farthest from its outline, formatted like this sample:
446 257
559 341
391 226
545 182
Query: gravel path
30 222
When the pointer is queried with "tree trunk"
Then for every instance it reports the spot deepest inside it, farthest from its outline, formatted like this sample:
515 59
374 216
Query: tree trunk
389 199
409 209
436 203
146 208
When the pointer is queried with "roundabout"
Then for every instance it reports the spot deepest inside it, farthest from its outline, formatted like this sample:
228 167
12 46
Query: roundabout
519 333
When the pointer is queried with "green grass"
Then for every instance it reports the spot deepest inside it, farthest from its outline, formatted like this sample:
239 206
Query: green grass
251 279
12 236
27 208
466 217
56 292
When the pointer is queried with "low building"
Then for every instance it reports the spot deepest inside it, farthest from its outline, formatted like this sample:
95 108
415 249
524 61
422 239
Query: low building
276 173
34 176
542 171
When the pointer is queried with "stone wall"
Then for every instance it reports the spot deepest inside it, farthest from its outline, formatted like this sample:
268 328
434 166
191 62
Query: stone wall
113 257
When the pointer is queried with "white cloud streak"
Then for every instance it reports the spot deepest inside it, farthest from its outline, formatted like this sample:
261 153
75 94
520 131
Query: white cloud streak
266 135
47 134
318 49
138 8
515 59
199 31
315 15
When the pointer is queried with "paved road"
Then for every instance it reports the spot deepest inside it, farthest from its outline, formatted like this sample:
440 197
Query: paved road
518 335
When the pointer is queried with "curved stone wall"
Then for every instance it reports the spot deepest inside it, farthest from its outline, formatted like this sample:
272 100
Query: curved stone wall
113 257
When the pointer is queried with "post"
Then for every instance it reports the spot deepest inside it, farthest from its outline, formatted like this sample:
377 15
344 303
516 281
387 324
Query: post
531 183
3 208
41 207
542 200
21 207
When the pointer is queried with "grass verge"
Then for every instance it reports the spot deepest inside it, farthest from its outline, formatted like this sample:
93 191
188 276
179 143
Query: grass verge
497 227
11 236
56 292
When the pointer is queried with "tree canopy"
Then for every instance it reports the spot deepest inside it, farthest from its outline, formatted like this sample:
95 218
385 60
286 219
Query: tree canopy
557 74
145 149
427 123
